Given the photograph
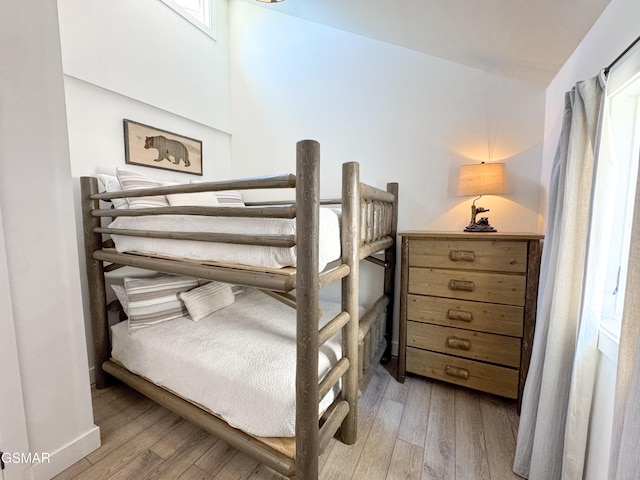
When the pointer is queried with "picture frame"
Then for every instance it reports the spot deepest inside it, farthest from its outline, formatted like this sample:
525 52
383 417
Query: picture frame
156 148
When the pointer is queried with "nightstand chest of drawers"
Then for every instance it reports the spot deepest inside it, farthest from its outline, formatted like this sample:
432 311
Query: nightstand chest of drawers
468 307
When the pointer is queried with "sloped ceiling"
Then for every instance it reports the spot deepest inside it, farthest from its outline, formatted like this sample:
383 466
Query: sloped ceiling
528 40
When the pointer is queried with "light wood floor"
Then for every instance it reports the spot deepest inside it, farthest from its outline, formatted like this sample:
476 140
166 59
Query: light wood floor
422 430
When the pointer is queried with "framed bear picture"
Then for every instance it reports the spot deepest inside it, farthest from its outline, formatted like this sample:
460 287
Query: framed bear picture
156 148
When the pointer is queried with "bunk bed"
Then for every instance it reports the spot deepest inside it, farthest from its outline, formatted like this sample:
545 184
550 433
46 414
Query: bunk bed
368 223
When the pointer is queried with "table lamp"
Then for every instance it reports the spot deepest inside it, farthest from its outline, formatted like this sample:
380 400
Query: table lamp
481 179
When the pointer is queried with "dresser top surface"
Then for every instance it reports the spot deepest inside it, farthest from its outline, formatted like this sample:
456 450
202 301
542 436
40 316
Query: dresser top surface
472 235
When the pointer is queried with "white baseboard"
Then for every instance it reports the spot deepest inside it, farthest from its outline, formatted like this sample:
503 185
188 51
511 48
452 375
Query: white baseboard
67 455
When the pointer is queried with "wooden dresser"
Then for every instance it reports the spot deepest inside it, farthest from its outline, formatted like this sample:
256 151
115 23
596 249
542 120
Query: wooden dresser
468 308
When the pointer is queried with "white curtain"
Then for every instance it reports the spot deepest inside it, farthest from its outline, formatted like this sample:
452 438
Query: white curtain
601 227
557 395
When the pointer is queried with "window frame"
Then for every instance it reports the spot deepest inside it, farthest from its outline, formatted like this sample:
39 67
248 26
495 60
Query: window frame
209 30
623 85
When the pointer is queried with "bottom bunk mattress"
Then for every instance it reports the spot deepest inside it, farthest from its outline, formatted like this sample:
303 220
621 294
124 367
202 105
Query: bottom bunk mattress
239 362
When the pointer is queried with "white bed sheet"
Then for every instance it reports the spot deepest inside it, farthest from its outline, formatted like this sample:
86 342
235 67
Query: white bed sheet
238 362
266 257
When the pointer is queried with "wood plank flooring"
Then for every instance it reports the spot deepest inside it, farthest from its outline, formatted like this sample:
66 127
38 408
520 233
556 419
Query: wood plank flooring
419 430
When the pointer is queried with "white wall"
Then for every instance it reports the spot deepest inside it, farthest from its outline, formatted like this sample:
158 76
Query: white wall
146 51
144 62
13 420
610 35
405 116
39 240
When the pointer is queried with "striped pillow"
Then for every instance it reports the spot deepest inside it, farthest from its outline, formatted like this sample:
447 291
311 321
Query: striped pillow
230 198
155 300
132 180
227 198
207 299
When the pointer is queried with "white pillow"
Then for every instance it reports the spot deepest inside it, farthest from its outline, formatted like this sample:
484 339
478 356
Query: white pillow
154 300
132 180
110 183
199 199
207 299
121 295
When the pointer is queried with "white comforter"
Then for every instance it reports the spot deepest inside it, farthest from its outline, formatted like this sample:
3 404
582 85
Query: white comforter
239 362
266 257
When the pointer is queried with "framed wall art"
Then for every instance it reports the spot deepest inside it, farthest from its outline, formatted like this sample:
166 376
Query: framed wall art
156 148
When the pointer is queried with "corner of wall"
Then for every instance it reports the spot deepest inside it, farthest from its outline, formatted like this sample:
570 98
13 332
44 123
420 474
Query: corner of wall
55 462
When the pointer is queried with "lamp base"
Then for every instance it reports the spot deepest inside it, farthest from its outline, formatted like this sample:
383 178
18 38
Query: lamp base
479 228
481 225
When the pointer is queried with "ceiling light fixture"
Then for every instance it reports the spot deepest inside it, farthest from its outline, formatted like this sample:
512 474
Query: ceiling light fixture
270 1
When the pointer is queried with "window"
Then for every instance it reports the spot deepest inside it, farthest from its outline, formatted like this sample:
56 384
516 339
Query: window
201 13
625 121
198 9
620 175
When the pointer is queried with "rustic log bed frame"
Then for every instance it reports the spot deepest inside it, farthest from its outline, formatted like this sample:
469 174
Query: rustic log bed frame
368 225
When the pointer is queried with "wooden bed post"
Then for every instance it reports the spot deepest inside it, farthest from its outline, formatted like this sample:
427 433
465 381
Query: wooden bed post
390 272
95 280
350 288
308 307
402 329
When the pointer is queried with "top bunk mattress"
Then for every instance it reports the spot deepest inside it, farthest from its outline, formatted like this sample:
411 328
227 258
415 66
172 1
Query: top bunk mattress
226 253
238 362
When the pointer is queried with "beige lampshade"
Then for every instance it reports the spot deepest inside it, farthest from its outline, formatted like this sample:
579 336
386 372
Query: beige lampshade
482 179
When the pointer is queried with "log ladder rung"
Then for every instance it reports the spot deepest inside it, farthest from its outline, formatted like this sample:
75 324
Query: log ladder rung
329 276
330 427
332 327
332 378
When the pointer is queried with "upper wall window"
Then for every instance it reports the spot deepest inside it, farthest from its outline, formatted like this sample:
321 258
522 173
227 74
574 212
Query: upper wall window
201 13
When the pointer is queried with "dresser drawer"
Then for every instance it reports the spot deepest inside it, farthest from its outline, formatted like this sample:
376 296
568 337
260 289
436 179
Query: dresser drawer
464 285
465 343
469 373
488 255
483 317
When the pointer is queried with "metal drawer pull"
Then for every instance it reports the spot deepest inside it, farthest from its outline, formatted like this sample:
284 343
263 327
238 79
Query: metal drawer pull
459 315
461 285
460 343
461 256
456 372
